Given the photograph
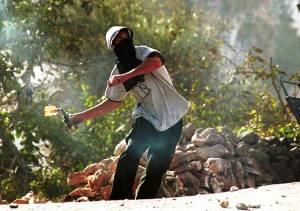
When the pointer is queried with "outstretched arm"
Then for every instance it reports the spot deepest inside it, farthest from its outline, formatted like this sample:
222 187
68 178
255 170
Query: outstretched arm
98 110
149 64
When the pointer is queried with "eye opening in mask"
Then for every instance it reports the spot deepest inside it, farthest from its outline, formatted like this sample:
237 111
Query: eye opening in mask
122 35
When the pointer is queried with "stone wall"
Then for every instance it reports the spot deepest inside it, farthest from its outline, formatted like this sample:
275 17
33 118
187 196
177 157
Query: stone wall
205 161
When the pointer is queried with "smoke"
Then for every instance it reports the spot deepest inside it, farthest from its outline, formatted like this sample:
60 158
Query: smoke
296 15
10 32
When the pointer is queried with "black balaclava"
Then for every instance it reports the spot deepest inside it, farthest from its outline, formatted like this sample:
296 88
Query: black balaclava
126 61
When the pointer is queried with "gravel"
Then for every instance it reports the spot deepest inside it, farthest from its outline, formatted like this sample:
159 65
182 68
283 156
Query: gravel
279 197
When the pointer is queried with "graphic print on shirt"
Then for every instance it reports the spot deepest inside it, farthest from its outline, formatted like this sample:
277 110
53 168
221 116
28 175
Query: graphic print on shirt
142 90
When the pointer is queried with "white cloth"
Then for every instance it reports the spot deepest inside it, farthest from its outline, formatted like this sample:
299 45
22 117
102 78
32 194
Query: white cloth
113 32
157 99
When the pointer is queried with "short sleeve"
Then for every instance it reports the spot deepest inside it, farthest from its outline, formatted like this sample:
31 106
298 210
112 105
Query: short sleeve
115 93
143 51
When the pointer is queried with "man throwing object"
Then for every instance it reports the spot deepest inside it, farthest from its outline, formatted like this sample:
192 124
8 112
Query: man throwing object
157 115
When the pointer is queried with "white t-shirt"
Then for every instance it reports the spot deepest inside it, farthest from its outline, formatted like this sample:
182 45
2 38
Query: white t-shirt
157 99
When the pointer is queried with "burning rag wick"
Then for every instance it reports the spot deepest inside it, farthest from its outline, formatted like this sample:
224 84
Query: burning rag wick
51 110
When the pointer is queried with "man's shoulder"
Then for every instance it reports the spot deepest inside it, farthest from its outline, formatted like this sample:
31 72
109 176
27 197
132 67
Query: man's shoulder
143 51
114 70
141 46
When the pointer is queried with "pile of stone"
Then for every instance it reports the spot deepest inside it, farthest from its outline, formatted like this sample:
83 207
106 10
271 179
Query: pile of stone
205 161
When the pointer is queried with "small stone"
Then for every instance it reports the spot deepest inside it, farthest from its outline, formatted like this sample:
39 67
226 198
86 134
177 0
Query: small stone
3 201
13 205
234 188
82 199
256 206
224 203
241 206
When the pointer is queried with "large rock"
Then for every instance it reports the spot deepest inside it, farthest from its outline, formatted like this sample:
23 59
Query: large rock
249 138
189 166
221 167
260 156
120 148
25 199
275 150
110 164
239 173
98 180
188 147
217 166
191 183
91 169
207 137
105 192
295 167
242 149
262 145
216 151
178 158
189 130
295 152
77 178
204 177
170 183
230 136
230 147
200 154
217 183
252 167
78 192
179 185
163 191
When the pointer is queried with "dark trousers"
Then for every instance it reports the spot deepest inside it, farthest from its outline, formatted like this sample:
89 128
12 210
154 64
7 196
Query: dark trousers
161 147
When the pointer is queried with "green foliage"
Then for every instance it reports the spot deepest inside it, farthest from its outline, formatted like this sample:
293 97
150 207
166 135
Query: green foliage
50 183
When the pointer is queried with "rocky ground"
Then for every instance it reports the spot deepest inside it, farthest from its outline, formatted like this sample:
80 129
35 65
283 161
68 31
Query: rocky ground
281 197
206 161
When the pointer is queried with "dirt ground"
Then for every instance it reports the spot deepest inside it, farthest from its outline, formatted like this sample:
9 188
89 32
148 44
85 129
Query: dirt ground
280 197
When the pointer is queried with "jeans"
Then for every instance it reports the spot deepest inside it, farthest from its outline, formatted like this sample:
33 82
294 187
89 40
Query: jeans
161 147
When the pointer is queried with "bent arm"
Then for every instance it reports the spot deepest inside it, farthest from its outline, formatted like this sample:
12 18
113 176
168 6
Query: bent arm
148 65
98 110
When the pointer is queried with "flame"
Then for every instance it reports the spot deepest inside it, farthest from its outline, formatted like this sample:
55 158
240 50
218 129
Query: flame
51 110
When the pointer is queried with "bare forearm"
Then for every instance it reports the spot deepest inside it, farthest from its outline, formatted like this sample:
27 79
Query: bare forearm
149 65
98 110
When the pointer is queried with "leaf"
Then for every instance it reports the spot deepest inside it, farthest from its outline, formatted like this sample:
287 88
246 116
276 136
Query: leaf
260 59
257 50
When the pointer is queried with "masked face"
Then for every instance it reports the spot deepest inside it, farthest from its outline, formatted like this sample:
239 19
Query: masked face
125 51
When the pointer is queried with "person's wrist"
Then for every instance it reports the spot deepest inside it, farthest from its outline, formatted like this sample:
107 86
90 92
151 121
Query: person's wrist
81 117
126 76
77 118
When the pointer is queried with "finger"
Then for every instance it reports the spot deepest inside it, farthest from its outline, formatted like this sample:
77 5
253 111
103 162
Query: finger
109 82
